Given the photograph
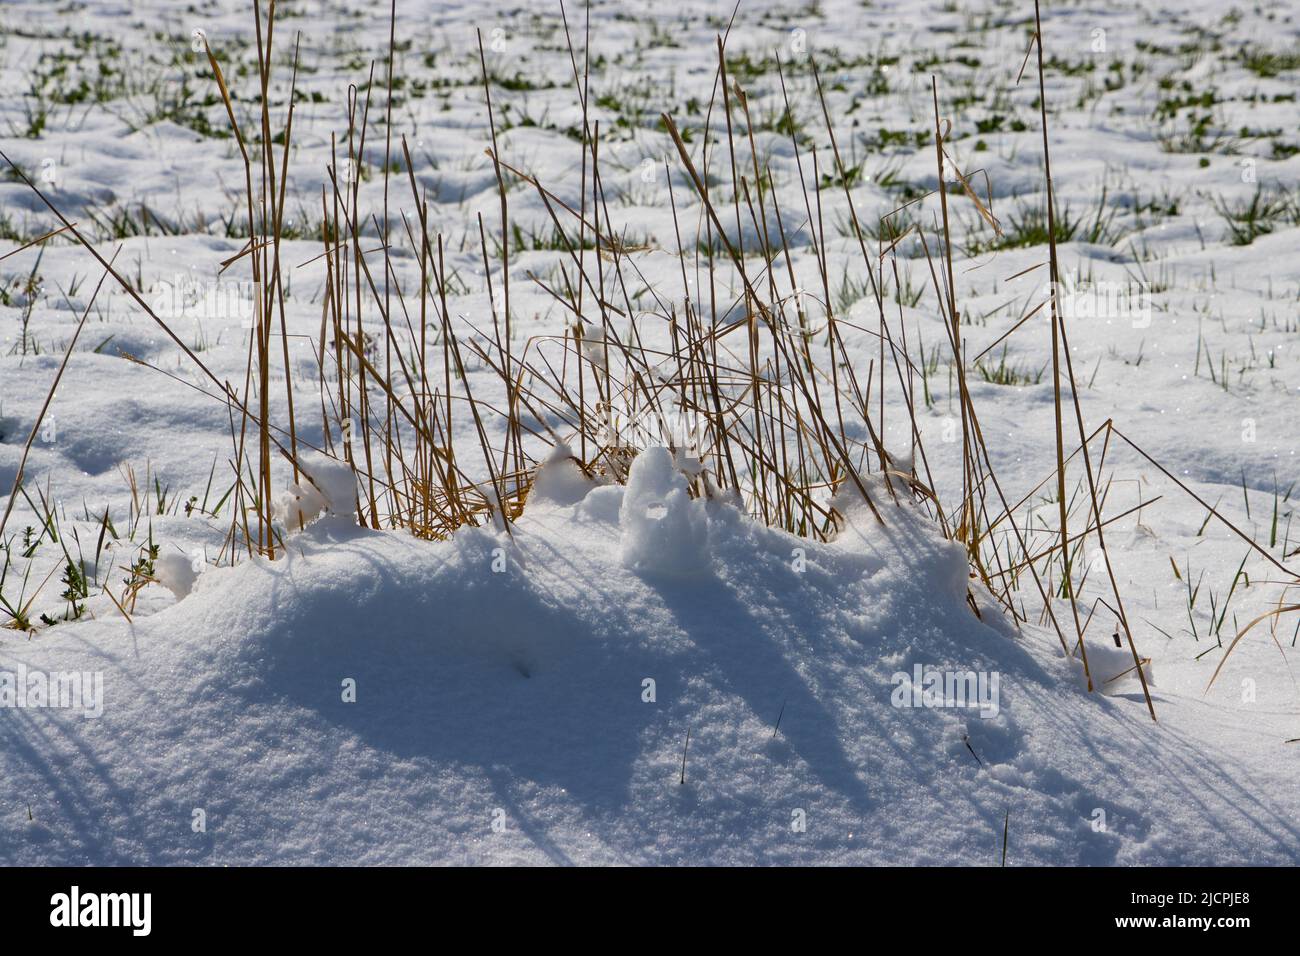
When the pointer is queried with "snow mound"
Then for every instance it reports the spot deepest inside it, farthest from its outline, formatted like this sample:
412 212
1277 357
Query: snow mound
327 485
177 572
664 530
559 479
526 697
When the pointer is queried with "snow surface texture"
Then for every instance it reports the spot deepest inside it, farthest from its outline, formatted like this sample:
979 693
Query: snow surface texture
520 691
518 696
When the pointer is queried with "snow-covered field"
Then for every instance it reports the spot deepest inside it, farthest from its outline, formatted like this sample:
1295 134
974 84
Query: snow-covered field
634 669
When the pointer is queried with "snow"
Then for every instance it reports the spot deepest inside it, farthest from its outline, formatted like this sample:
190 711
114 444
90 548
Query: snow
500 712
520 695
327 485
559 479
664 531
177 573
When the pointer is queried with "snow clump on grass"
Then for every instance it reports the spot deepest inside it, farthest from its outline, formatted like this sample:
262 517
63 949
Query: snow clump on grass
664 530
